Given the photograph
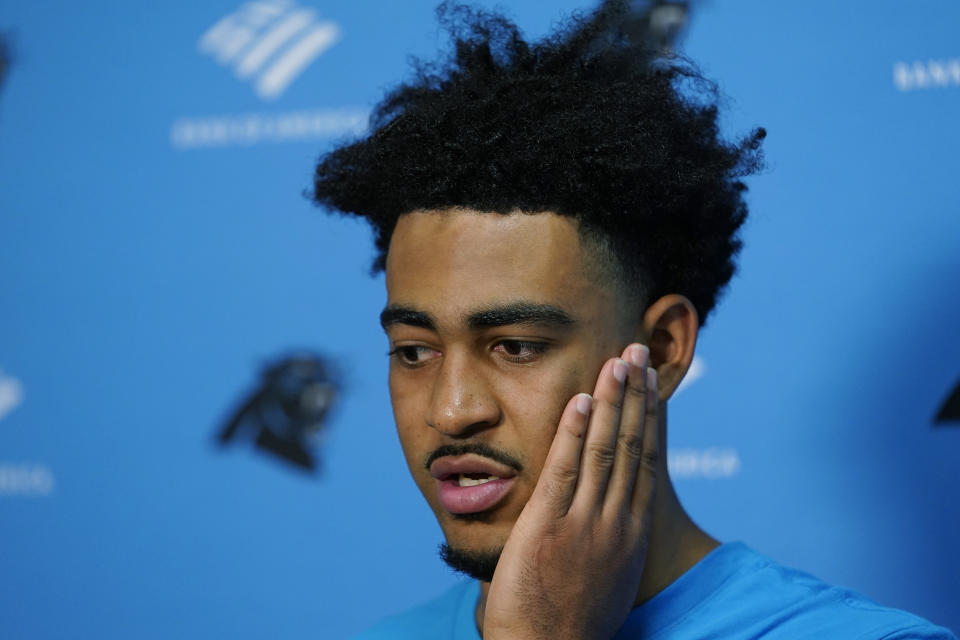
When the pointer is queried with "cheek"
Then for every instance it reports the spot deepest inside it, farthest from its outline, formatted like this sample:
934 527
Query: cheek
416 446
409 398
408 416
536 408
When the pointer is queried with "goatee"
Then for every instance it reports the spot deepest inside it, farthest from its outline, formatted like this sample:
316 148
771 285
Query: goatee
479 565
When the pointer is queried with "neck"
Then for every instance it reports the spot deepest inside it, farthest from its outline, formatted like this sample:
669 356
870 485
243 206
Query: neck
676 542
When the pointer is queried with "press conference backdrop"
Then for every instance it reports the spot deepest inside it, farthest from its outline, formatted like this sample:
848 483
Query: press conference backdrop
157 252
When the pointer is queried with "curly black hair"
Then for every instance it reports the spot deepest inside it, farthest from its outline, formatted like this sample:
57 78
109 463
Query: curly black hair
584 123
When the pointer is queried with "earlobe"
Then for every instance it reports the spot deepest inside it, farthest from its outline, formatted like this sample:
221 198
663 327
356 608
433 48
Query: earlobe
671 325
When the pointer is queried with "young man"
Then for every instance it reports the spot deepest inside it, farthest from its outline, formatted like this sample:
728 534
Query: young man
556 222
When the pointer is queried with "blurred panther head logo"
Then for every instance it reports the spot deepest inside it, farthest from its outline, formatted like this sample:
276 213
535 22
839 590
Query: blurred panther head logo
949 414
286 412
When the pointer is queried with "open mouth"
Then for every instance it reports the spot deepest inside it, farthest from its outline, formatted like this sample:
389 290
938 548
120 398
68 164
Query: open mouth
470 483
473 479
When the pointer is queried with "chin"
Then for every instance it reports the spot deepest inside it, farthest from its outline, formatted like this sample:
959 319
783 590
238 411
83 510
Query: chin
479 564
475 531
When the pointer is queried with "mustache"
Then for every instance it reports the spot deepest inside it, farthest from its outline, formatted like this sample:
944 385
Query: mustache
478 448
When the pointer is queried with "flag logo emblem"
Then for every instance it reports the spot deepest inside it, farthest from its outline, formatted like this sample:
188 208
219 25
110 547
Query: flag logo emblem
269 43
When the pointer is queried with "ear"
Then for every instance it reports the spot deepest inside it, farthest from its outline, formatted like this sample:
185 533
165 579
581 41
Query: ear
670 326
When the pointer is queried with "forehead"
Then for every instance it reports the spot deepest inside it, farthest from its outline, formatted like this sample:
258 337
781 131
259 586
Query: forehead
452 262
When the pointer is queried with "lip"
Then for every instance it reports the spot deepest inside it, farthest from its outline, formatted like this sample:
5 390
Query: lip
443 468
474 499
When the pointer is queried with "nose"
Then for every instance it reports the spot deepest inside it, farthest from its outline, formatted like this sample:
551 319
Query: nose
462 402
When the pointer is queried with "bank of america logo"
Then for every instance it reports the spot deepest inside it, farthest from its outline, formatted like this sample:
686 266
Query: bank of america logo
926 74
270 43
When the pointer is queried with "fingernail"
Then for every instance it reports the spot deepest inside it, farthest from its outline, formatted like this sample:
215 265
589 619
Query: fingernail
620 369
584 402
639 354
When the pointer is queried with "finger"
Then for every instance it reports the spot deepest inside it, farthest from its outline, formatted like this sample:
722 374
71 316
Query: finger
599 447
558 480
630 438
647 471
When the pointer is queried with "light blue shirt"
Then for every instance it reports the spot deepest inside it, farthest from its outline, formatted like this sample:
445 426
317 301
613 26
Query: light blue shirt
733 593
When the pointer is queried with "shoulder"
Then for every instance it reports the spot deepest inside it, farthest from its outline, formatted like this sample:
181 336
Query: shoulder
738 594
448 616
795 604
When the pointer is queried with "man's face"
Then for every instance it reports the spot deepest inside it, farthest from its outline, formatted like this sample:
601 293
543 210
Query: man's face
495 322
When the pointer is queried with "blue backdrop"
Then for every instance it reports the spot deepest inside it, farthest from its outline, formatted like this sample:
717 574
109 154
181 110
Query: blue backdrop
156 249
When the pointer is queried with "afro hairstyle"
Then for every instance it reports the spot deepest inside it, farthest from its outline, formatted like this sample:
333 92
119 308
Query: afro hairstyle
586 123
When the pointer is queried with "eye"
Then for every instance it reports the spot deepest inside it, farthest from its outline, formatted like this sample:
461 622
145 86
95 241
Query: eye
413 355
520 351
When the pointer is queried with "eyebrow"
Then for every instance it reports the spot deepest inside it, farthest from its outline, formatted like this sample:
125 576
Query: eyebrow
513 313
396 314
520 313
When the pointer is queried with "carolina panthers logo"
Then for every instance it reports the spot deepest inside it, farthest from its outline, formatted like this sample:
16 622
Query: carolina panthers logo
949 414
285 414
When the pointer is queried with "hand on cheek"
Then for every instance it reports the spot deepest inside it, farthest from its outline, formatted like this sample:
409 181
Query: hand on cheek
572 564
